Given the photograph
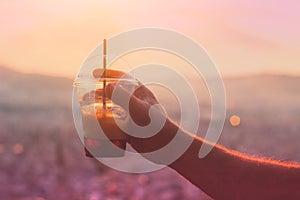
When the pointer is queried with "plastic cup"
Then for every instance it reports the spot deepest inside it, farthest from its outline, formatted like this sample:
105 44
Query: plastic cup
103 137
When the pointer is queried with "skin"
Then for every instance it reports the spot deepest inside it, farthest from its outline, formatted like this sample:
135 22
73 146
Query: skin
223 173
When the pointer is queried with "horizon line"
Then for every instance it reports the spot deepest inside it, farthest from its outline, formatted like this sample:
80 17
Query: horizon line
228 76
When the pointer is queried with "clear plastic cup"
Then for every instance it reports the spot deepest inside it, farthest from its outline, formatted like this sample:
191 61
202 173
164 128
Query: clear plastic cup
103 137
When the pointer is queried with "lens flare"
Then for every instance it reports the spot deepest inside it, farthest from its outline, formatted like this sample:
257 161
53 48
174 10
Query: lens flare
235 120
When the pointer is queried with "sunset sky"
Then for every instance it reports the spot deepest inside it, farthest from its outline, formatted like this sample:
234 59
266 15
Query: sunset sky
242 37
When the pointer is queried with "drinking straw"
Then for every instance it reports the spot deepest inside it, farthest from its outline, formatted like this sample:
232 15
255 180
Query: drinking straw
104 74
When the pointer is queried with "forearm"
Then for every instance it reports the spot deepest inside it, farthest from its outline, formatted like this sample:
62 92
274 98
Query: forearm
222 174
226 174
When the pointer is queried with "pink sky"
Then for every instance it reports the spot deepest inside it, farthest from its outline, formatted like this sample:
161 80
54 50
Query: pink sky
53 37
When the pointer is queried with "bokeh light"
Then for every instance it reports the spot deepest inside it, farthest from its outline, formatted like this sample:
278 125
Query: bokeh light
18 149
235 120
1 148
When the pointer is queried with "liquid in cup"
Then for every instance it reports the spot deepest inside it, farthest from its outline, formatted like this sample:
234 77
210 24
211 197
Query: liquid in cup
103 137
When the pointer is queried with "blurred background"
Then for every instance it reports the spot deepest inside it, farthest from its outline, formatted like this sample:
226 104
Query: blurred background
255 45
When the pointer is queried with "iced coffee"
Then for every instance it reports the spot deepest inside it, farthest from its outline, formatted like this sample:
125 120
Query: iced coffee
103 120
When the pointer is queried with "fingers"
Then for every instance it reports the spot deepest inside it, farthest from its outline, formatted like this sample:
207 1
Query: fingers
137 108
144 94
118 95
109 73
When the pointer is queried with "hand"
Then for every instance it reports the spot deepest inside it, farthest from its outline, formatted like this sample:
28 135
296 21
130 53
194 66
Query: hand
139 105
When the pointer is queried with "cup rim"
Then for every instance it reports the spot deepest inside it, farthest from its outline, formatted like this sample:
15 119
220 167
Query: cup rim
99 82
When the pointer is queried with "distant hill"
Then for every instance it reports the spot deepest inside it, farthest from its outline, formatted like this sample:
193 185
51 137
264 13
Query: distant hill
34 91
264 92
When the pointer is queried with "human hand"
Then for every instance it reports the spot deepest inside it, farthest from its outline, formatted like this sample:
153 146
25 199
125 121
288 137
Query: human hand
141 100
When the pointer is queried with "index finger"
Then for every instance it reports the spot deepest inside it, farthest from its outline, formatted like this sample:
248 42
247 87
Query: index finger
110 73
